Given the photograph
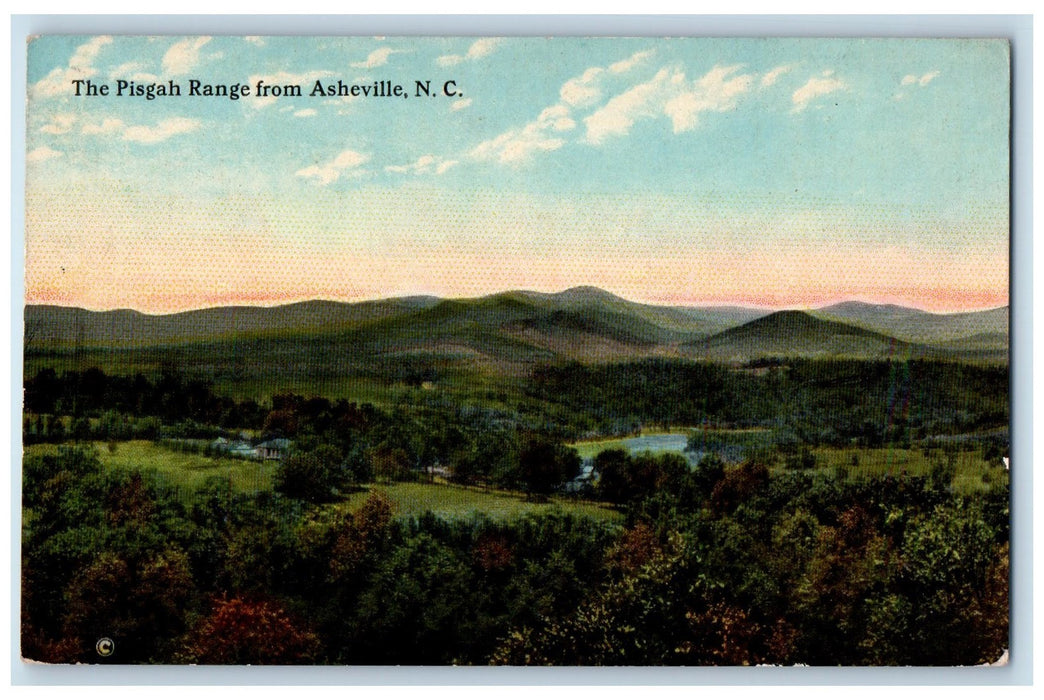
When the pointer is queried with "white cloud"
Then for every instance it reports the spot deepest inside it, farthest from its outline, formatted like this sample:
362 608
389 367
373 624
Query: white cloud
921 80
644 100
584 90
770 78
518 145
423 165
479 49
445 165
309 112
482 48
714 92
183 56
461 104
346 161
629 63
556 118
58 81
816 87
59 124
282 78
669 94
450 60
162 131
108 125
376 58
38 155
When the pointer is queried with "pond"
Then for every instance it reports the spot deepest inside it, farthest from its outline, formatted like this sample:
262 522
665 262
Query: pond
665 442
730 450
657 443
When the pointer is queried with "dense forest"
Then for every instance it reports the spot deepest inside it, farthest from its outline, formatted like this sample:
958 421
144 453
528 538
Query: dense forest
759 554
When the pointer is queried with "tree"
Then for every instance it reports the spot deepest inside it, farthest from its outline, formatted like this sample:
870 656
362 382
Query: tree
361 534
421 608
545 465
254 631
708 472
139 604
317 476
613 467
390 463
738 484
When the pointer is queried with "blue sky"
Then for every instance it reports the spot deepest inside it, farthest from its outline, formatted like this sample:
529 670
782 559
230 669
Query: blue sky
770 172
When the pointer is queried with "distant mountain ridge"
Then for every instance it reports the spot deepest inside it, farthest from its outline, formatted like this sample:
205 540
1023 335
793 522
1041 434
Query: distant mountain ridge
61 326
914 325
796 333
516 328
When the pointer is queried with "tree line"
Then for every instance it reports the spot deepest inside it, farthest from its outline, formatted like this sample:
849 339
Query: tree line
723 565
815 401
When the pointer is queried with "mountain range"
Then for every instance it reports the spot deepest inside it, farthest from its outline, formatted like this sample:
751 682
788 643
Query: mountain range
512 330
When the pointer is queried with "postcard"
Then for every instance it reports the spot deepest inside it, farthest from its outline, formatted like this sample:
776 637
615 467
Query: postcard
516 351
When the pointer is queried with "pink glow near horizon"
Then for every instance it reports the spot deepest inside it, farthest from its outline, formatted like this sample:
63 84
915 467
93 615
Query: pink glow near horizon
168 282
165 279
82 255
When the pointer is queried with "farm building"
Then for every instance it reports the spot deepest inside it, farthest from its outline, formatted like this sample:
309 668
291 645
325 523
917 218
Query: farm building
273 449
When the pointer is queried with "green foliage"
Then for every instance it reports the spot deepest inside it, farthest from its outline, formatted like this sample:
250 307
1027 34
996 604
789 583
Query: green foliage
137 601
544 466
802 458
614 477
317 476
360 537
627 480
419 605
707 473
861 524
105 557
821 402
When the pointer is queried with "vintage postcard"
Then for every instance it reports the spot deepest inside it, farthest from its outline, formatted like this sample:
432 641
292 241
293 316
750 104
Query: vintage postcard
516 351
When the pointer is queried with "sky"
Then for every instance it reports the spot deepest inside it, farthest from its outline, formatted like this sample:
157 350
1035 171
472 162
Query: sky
779 173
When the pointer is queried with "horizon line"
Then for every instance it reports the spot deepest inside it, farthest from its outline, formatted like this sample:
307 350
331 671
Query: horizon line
740 304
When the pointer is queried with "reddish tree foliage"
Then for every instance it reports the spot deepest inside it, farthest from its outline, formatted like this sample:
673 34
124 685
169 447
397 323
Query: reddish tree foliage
722 635
282 422
130 502
492 553
737 485
362 531
636 548
139 603
240 631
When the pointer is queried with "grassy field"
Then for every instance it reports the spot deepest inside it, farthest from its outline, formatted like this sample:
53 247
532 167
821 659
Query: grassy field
453 501
185 472
973 473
